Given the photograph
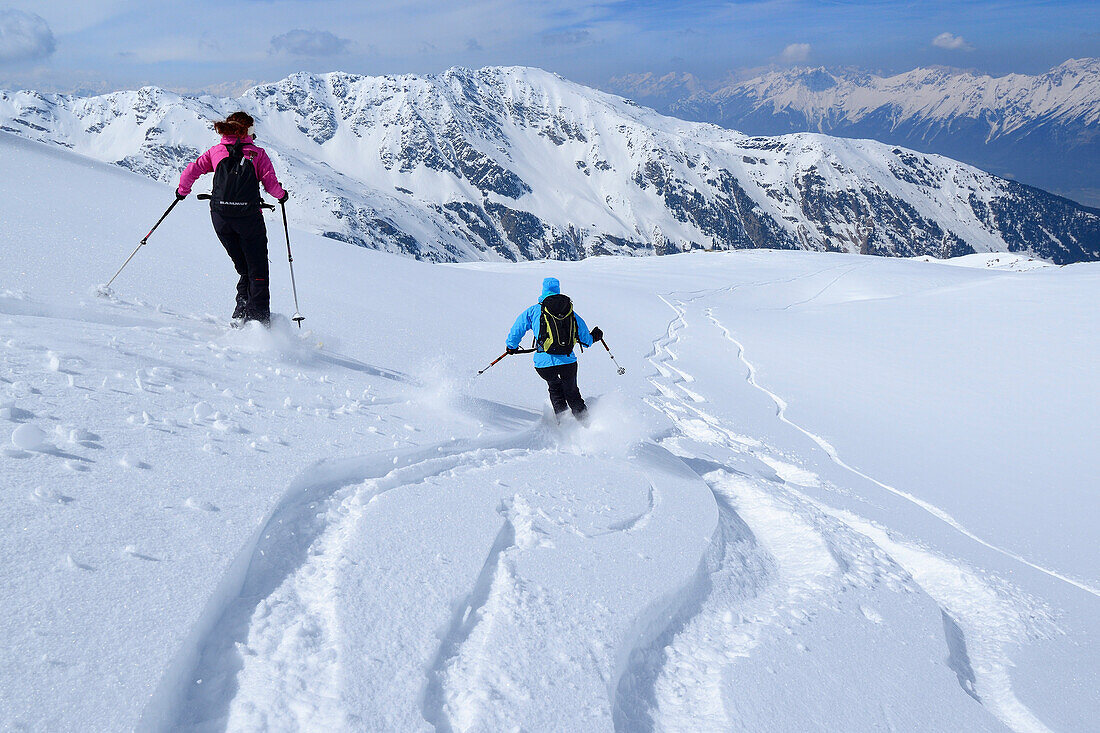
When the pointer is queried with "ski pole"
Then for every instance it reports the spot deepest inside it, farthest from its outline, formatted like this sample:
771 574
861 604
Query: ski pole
494 362
143 241
620 369
298 317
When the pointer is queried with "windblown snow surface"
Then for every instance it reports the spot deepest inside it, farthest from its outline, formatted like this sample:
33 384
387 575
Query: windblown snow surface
831 492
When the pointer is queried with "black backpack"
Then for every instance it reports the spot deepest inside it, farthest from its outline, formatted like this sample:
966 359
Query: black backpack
236 190
557 326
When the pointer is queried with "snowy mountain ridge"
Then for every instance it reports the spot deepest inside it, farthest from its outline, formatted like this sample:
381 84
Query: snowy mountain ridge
1041 129
1068 92
516 163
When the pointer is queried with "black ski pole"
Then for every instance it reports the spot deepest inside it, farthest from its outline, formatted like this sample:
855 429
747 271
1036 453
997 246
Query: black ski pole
298 317
506 353
142 242
621 369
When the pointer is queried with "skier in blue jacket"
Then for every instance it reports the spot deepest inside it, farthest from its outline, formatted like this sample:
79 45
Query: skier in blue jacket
554 359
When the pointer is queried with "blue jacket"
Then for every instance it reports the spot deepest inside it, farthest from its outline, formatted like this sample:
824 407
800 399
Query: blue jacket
529 321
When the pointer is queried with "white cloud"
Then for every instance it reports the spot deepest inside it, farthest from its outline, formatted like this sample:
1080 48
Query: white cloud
300 42
795 53
24 36
951 42
566 38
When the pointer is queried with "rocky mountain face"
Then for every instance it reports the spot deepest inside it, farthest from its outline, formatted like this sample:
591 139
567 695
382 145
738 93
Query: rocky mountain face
1043 130
517 163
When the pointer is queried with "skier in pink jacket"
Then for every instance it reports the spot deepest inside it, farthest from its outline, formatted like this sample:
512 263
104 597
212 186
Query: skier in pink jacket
239 167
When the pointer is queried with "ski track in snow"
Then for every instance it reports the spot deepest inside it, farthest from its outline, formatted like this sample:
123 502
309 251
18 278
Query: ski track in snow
681 674
304 542
781 414
754 573
455 692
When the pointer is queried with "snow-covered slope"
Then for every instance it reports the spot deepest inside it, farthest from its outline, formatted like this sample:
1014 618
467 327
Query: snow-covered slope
516 163
1039 129
818 499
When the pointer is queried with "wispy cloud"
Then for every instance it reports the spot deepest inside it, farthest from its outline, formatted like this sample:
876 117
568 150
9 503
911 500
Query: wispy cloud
795 53
951 42
566 38
300 42
24 37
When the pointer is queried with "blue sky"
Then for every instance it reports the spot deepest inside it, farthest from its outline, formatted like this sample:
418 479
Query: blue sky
101 44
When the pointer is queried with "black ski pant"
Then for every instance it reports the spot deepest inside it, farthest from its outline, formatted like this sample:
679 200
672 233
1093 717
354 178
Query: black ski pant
562 383
245 239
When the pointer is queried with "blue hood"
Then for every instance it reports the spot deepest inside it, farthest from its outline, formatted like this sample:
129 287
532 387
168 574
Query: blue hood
550 286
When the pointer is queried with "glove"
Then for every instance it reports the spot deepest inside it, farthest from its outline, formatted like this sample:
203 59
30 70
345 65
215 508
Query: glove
286 195
513 351
597 334
180 196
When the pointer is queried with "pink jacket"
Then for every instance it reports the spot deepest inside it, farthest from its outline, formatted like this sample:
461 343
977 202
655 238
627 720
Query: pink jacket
209 160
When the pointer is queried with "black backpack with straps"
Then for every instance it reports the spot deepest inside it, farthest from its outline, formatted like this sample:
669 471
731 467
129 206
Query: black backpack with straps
557 326
236 190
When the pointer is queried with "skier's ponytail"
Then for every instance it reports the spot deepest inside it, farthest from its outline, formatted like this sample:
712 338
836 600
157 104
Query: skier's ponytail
236 125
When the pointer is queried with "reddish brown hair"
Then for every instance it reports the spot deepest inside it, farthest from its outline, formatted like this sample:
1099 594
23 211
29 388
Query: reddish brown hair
236 124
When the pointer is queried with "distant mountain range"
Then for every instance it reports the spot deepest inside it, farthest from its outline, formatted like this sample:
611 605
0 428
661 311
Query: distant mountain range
1043 130
517 163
